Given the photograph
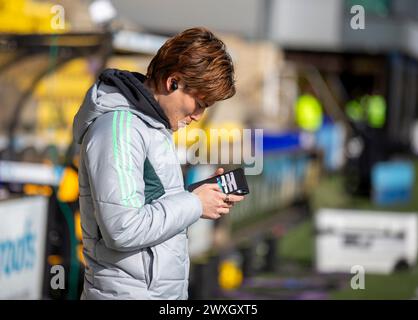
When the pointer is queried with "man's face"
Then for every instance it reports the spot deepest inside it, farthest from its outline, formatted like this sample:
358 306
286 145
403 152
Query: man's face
182 108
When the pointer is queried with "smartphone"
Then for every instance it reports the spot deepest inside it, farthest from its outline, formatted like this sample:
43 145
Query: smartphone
231 182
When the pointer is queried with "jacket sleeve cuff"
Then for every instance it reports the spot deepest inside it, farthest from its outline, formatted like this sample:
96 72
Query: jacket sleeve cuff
196 207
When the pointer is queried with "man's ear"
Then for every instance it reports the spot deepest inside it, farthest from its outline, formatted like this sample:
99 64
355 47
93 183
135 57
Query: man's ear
168 83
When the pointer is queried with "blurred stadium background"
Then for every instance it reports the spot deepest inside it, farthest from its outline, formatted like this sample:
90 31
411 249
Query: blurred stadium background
337 100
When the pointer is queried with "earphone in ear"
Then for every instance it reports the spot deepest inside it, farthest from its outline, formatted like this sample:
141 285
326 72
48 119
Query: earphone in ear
174 86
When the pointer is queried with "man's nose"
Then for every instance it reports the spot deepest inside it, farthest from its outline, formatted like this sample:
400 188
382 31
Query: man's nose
197 115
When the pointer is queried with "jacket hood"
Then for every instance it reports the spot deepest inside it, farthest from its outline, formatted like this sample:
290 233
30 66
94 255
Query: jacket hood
118 90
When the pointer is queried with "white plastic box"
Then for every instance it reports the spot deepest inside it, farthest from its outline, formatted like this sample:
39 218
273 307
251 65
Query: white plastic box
379 242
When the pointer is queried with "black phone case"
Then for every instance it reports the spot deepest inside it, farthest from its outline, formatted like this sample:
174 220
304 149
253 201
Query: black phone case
231 182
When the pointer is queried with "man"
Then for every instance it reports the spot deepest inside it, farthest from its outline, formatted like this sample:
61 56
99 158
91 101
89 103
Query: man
134 209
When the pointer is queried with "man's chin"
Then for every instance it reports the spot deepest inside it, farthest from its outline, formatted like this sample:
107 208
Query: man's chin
179 126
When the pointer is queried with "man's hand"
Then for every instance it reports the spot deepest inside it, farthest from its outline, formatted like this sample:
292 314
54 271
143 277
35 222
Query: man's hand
218 172
215 203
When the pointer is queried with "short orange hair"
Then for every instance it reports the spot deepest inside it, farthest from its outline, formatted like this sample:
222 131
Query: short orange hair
202 62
